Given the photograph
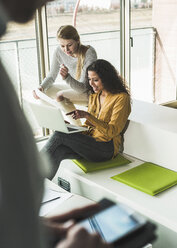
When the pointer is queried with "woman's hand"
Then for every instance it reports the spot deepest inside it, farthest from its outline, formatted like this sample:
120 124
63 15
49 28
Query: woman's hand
34 93
78 237
57 227
78 114
63 71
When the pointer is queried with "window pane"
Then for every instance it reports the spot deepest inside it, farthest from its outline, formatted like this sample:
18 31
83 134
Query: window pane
98 23
164 21
19 55
154 51
142 50
141 15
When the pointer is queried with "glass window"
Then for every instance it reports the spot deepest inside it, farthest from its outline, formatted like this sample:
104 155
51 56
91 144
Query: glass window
164 21
154 51
142 50
98 23
18 53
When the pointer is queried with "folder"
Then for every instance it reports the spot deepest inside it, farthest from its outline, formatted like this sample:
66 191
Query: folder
148 177
87 166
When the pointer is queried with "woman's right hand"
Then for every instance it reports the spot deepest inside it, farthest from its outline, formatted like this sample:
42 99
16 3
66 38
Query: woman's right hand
34 93
78 237
78 114
63 71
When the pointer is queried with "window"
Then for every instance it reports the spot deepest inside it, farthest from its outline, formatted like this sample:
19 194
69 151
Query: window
153 55
154 51
142 51
98 23
19 55
165 23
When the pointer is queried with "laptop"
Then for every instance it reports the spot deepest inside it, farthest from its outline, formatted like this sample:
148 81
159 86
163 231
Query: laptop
51 117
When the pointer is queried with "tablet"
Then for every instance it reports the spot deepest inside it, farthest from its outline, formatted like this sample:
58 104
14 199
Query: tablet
114 223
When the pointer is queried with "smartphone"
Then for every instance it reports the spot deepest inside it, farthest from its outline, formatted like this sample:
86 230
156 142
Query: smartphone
114 222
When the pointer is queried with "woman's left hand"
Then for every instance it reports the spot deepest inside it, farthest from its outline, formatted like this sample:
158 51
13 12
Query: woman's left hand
78 114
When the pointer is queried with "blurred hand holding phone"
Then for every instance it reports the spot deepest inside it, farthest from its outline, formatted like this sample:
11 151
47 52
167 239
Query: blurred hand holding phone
117 223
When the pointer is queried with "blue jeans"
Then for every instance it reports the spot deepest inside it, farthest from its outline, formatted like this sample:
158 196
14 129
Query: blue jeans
62 146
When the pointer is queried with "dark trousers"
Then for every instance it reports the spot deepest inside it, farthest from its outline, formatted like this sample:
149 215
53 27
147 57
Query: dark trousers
62 146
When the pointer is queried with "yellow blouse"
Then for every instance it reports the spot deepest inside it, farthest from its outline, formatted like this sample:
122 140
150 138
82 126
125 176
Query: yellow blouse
106 124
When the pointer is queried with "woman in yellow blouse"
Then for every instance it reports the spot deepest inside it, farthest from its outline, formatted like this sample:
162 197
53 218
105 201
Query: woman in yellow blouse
108 111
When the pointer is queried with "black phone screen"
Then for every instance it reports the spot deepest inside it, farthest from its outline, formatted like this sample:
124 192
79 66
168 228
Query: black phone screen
112 223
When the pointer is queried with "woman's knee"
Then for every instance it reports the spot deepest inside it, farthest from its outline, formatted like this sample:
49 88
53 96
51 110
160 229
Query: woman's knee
53 142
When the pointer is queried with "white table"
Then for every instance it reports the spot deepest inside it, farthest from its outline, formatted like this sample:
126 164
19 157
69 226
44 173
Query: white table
74 201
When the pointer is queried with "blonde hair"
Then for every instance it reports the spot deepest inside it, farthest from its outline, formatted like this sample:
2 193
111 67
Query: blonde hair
68 32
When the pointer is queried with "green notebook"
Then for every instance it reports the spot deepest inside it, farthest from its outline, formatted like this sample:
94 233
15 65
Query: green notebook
87 166
148 177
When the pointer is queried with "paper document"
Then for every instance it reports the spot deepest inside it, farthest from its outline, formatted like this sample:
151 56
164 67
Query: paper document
50 195
52 199
65 106
46 98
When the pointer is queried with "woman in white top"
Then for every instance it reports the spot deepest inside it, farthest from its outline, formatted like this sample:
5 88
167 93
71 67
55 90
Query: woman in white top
70 60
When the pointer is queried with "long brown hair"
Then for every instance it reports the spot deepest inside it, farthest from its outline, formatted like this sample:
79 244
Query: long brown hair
109 76
68 32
